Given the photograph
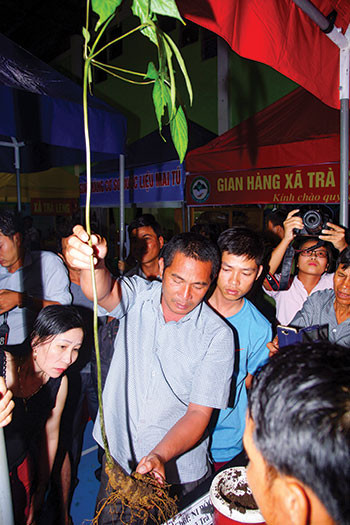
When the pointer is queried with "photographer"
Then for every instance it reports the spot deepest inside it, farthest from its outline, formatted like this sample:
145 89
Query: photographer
327 307
312 263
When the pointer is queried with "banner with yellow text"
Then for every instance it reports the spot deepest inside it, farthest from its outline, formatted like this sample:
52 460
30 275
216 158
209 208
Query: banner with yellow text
295 185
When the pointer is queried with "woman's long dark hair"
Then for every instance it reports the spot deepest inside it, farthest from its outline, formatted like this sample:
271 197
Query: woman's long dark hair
53 320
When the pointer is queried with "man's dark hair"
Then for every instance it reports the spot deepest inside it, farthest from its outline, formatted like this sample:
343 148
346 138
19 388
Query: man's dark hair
240 240
276 217
195 246
10 223
300 405
147 219
344 258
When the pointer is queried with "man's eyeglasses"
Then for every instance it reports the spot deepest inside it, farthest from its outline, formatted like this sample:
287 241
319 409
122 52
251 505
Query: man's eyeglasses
321 254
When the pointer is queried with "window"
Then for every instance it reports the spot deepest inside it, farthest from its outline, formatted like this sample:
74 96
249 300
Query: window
189 34
98 74
166 23
209 47
116 49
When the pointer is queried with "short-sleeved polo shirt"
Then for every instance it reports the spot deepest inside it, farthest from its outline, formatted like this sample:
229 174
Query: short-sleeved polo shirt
319 309
42 275
157 369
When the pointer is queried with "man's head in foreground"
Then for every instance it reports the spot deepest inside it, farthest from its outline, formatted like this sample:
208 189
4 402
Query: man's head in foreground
298 436
188 264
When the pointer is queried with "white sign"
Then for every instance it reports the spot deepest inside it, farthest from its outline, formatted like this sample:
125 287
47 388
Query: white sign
198 513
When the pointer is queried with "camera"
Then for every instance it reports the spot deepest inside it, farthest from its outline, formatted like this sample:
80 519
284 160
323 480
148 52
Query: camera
314 221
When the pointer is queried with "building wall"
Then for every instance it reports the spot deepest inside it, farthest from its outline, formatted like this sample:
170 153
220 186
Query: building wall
251 85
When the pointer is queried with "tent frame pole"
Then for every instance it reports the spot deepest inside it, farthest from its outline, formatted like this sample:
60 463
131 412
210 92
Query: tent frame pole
343 42
121 206
16 145
344 63
6 510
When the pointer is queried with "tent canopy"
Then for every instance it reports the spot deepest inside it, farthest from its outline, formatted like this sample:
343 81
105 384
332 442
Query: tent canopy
153 171
50 184
297 129
42 108
284 153
278 33
152 149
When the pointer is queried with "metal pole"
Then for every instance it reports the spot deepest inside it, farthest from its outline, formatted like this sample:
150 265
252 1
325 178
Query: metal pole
223 83
121 206
343 42
16 145
6 513
18 174
344 135
183 216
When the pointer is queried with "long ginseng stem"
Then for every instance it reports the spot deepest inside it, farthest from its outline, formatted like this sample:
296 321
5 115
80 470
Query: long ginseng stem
109 459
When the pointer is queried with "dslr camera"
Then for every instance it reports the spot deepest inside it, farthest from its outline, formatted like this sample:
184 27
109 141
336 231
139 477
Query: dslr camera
314 221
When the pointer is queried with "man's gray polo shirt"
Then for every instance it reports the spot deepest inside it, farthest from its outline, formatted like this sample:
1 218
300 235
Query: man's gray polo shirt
319 309
157 369
42 275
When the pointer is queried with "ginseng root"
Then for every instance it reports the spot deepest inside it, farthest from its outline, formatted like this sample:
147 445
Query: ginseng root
142 494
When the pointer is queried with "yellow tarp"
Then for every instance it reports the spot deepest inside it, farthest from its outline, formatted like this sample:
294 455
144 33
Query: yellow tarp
54 183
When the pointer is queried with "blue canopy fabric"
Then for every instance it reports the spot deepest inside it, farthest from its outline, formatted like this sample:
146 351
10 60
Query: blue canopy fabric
43 108
152 149
153 171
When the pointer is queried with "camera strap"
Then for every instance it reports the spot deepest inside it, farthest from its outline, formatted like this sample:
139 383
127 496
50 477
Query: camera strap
286 268
4 330
284 282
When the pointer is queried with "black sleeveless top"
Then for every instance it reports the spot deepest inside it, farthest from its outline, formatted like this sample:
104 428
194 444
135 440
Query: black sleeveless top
23 434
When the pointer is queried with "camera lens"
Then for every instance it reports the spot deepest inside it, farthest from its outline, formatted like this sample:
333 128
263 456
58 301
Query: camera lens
313 221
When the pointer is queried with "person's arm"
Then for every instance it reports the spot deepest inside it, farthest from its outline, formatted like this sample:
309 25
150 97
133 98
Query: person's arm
258 353
277 255
6 404
248 381
273 346
179 439
77 253
54 285
10 299
309 313
50 441
335 235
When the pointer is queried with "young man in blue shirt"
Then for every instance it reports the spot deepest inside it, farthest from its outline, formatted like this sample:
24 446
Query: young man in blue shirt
242 253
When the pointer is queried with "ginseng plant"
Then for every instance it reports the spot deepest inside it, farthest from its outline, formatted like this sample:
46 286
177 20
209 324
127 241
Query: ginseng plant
142 494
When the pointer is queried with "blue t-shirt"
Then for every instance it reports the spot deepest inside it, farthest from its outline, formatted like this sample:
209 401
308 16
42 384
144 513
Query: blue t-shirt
253 332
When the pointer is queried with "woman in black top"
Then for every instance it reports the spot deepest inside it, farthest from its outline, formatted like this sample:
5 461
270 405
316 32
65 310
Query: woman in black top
35 374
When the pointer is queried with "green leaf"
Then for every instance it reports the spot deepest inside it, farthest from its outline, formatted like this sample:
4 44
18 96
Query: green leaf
140 8
159 101
104 9
165 7
172 77
151 71
86 35
179 133
168 100
182 66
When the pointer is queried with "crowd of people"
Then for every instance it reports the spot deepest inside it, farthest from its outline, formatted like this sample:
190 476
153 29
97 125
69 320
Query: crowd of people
185 355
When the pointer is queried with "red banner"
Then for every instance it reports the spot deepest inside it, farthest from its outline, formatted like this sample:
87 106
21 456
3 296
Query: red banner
280 34
53 206
288 185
